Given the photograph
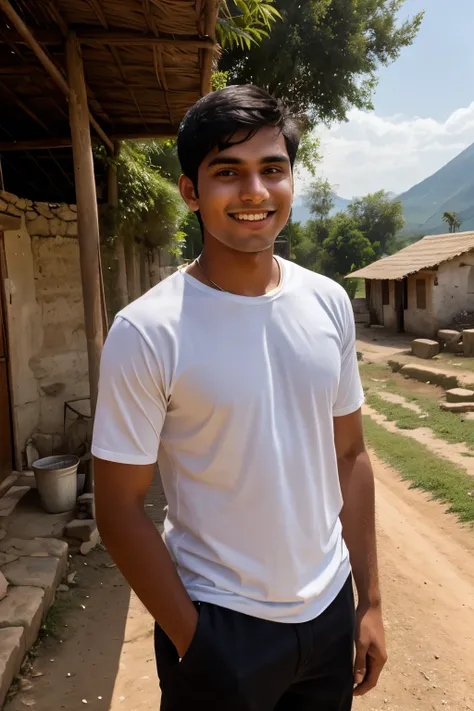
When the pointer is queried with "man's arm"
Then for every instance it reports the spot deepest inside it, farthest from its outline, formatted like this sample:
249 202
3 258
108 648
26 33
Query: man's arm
137 548
358 522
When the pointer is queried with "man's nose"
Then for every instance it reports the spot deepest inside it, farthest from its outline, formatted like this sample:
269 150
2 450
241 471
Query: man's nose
254 190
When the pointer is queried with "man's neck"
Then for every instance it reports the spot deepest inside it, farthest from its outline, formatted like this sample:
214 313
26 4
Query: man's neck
235 272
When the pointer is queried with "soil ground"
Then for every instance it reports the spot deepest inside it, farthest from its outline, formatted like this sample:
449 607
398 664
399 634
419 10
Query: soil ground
427 571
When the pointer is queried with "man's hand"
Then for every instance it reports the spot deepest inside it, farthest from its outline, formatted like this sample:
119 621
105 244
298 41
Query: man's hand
371 653
184 639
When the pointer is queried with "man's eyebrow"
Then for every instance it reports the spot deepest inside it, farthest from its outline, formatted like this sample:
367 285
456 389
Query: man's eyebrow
229 160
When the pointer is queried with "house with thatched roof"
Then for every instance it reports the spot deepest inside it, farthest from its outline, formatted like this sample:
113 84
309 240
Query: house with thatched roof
424 287
75 73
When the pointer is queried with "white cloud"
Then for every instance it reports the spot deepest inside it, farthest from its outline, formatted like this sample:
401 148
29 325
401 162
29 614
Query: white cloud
370 152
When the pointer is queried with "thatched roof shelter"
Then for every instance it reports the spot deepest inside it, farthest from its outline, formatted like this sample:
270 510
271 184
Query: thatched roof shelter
145 63
74 71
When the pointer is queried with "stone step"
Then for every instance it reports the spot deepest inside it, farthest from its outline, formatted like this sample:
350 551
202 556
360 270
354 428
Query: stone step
459 395
34 570
12 653
425 348
10 499
458 406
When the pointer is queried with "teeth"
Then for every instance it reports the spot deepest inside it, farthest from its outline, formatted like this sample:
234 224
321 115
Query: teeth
252 217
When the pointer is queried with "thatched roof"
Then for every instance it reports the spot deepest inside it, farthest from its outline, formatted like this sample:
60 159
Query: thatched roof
146 62
428 253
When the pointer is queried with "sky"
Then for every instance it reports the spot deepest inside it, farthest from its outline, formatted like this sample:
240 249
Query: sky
423 109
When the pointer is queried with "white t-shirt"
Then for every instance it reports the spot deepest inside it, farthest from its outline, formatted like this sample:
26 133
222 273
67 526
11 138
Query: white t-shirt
238 394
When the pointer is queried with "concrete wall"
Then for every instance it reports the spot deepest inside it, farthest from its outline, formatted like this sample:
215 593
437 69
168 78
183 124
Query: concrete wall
47 347
453 292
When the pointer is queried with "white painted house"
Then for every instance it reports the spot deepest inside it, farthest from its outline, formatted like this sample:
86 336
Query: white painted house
423 287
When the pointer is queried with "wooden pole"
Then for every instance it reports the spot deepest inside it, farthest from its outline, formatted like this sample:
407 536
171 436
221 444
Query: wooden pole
50 67
87 213
113 195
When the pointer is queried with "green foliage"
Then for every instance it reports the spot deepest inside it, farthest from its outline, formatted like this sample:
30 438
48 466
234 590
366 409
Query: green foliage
243 24
345 249
319 198
452 220
379 218
308 152
219 80
324 57
150 206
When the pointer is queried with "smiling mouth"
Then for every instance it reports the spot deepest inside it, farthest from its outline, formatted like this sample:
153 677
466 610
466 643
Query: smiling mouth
251 216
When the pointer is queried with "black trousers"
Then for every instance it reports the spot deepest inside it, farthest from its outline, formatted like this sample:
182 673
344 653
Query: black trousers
241 663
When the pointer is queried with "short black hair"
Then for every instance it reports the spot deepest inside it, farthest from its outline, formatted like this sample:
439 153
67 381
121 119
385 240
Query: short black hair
216 118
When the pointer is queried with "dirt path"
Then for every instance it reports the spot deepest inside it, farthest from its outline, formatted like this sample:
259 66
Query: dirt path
459 454
427 567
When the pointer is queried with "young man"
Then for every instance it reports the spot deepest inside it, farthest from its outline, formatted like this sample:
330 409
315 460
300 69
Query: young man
240 373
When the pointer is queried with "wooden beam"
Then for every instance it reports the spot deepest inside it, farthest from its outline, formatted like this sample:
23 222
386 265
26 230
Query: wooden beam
48 65
87 213
46 37
124 38
96 6
211 8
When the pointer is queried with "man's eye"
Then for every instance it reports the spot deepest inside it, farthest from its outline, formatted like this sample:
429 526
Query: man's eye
272 171
226 173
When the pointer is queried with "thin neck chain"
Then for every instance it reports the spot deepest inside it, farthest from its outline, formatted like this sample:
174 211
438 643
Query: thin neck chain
219 288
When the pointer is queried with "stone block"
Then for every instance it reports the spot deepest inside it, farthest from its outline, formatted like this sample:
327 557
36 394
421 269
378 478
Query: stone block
23 607
65 213
425 348
45 573
3 586
449 335
11 498
8 197
72 229
86 506
458 406
12 652
468 342
38 227
35 547
21 204
3 206
459 395
38 524
58 227
89 545
81 530
44 209
425 373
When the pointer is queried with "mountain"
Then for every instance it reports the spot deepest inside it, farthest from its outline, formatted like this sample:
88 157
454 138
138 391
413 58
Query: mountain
301 213
450 189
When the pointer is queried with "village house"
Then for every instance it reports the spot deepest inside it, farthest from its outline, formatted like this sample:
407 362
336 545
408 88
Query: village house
424 287
73 74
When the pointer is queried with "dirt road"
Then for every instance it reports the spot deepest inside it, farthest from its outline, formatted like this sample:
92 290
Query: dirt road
427 566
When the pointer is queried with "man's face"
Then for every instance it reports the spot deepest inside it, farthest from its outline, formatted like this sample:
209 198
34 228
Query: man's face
245 191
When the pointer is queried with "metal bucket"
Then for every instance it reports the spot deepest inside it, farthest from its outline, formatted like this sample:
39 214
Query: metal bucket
56 479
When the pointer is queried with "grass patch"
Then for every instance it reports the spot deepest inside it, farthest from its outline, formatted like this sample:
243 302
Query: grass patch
447 426
455 362
53 625
415 463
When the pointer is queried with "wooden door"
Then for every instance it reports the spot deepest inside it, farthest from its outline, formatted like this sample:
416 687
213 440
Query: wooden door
6 448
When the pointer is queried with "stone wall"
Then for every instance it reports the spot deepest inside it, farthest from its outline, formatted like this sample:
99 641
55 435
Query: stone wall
47 346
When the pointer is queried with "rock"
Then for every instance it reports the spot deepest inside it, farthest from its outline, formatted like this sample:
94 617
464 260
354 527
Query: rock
30 215
21 204
44 573
36 548
72 229
458 406
7 558
3 586
425 373
94 541
81 529
65 213
12 652
460 395
468 342
11 210
8 197
63 588
425 348
11 498
86 507
39 227
3 206
44 209
451 340
58 227
23 607
32 454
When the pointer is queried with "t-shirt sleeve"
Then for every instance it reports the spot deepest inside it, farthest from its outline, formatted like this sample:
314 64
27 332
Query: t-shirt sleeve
131 404
350 394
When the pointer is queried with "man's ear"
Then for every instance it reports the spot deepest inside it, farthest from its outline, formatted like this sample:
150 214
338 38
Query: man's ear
188 193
